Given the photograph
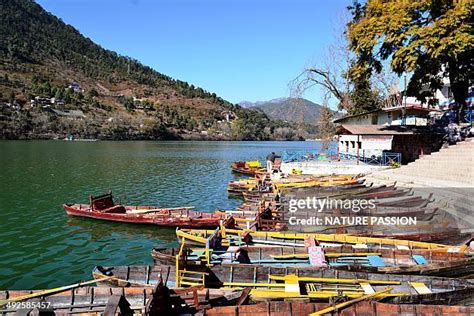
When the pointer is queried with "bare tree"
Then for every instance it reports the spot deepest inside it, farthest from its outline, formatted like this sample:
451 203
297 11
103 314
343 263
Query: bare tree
331 73
386 85
325 126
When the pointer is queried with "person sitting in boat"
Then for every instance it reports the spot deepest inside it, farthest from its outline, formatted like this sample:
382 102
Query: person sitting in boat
246 238
242 256
216 241
267 213
270 160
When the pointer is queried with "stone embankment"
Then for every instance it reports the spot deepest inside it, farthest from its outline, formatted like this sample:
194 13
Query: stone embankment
448 174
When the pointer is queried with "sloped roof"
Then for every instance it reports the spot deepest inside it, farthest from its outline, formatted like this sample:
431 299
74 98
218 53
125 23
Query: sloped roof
410 106
355 115
389 109
380 130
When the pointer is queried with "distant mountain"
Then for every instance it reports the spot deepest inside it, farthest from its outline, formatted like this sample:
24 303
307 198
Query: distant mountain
287 109
55 82
246 104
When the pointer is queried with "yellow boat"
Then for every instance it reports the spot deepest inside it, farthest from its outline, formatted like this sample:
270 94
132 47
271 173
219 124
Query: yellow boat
236 237
311 182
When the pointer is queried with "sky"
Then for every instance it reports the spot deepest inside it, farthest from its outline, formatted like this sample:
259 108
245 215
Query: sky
239 49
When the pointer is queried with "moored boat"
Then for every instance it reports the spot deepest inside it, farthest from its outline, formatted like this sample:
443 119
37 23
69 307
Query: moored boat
82 300
250 168
233 237
103 207
346 257
366 307
270 283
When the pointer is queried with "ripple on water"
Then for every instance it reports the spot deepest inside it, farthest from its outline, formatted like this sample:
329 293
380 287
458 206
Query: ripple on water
42 247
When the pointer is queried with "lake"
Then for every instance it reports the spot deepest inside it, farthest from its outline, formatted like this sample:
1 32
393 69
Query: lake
42 247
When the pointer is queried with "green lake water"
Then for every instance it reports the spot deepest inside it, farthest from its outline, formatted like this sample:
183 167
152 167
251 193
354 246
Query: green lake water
41 247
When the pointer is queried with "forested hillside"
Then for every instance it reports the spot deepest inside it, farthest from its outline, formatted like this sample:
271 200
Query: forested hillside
55 82
296 110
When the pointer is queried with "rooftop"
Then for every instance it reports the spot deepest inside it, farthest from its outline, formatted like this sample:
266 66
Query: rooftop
381 129
412 106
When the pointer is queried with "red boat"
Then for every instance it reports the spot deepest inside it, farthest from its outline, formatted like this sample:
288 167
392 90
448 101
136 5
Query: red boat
103 207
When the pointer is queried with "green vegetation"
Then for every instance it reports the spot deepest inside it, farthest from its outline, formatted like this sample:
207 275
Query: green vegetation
98 93
430 39
296 110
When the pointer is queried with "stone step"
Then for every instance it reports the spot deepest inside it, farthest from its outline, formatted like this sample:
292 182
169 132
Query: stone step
451 196
456 149
464 154
443 168
410 181
451 152
458 179
463 220
436 169
467 160
458 162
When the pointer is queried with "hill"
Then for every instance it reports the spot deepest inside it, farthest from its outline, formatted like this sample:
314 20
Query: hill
293 110
55 82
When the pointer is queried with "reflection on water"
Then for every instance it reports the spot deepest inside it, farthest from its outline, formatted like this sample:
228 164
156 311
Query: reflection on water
42 247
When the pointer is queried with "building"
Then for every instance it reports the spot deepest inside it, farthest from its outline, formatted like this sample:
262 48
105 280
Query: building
375 134
412 115
229 115
76 87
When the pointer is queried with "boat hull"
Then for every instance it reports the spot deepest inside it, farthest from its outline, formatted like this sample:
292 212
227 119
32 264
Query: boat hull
443 290
362 308
186 219
438 263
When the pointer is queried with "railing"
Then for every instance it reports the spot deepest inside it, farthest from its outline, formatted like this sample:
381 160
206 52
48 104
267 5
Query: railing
307 155
385 159
391 158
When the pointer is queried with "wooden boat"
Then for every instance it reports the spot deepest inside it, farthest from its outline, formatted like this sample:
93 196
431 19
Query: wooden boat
233 237
237 187
244 167
370 259
337 181
415 201
346 189
270 283
87 300
263 186
252 208
366 307
103 207
105 300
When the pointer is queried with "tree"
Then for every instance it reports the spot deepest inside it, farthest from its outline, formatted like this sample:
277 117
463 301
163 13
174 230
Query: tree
59 95
12 97
331 73
325 126
430 39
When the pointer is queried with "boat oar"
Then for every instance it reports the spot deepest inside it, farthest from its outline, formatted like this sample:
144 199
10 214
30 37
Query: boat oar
154 210
53 291
351 302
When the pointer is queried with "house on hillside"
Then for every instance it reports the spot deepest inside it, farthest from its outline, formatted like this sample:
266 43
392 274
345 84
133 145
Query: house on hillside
229 115
76 87
401 130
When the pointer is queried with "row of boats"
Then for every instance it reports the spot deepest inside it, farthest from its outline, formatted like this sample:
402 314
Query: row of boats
252 260
231 272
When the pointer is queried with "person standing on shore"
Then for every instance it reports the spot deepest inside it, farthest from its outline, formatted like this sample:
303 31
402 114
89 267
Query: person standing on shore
270 160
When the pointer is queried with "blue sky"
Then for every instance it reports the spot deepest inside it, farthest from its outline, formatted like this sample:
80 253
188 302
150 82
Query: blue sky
239 49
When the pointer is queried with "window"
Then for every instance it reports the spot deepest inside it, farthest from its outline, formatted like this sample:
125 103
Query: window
374 119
